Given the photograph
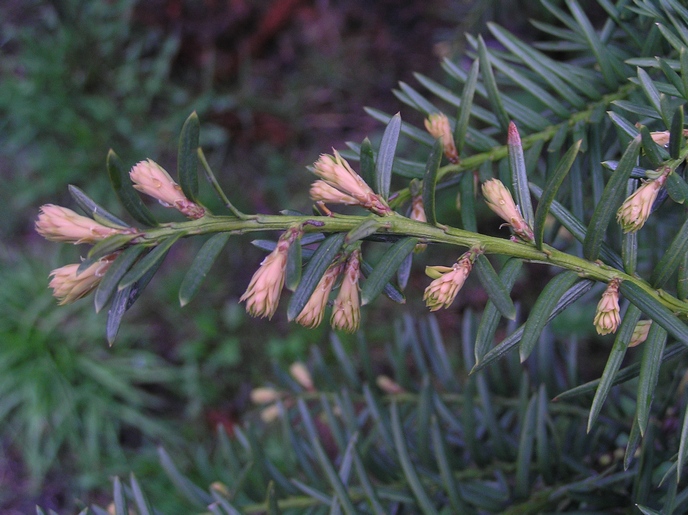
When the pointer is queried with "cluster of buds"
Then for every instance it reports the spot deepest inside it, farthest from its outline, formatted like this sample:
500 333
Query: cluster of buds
339 184
447 281
263 292
636 209
151 179
56 223
607 317
437 124
499 200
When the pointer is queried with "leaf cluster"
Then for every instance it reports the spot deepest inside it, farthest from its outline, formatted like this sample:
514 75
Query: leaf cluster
428 439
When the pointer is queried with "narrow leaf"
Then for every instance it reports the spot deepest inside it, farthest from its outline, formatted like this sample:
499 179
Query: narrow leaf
493 94
684 67
367 484
542 451
467 199
605 59
187 157
110 280
366 228
94 210
292 274
124 299
385 156
682 447
143 506
367 165
616 355
330 472
190 491
105 247
625 374
120 500
572 295
525 450
490 318
650 90
682 286
410 472
150 260
386 268
655 153
649 372
676 137
390 290
446 472
519 175
464 115
673 255
201 266
120 304
494 287
677 188
622 123
404 271
127 195
210 177
271 500
656 311
314 271
634 439
430 181
611 198
543 309
550 191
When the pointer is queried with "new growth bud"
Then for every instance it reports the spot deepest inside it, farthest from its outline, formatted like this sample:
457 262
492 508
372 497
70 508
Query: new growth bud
69 286
607 318
152 179
57 223
346 315
448 281
635 210
640 332
321 191
499 200
418 214
437 124
338 175
301 374
264 290
312 313
264 395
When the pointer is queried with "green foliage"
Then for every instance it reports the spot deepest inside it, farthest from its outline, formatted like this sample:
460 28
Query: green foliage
80 79
66 403
481 435
489 442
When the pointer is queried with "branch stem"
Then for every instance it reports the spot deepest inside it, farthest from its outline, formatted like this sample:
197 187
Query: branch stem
399 226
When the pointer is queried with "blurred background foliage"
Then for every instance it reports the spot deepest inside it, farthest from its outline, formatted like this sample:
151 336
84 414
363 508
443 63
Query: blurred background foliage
275 84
